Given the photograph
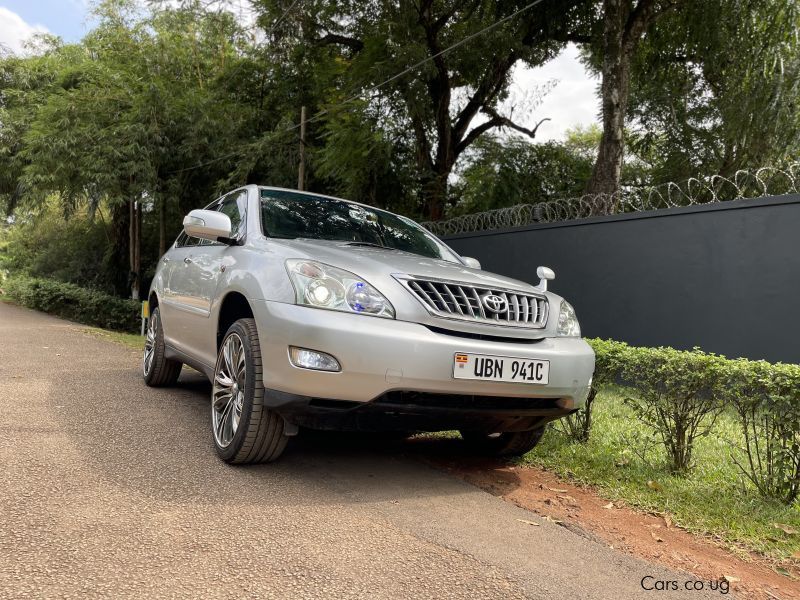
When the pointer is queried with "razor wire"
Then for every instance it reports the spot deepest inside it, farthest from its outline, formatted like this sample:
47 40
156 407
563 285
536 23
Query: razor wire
744 184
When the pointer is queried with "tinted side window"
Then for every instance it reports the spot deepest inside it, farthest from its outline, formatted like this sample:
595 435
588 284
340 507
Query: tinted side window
235 206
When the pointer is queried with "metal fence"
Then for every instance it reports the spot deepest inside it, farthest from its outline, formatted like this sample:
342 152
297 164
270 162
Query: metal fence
765 181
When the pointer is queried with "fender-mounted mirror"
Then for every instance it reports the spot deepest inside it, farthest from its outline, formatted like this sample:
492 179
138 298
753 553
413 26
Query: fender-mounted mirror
472 263
544 274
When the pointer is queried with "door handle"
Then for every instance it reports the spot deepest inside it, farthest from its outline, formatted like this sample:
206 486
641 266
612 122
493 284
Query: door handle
187 260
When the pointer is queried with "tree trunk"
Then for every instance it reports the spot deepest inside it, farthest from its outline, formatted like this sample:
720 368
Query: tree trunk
162 226
623 27
133 252
435 195
615 88
118 260
137 264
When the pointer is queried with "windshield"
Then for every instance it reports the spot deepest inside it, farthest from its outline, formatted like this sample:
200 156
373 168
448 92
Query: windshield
290 215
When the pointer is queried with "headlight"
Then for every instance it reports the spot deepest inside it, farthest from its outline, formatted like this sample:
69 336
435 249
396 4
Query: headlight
567 321
322 286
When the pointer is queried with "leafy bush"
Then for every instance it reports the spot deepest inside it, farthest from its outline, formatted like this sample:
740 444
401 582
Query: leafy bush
46 244
679 394
578 425
73 302
608 369
767 400
609 360
676 395
674 392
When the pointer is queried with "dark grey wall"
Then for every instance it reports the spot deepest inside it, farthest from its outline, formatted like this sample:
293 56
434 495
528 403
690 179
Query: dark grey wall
724 277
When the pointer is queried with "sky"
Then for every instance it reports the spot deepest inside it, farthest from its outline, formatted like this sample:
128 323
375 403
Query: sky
571 102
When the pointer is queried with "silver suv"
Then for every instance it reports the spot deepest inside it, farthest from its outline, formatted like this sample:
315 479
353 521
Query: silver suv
310 311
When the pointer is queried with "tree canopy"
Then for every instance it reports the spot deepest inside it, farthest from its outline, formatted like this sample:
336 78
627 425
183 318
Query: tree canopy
160 108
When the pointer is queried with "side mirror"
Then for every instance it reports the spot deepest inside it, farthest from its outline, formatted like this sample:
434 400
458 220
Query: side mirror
472 263
545 274
207 225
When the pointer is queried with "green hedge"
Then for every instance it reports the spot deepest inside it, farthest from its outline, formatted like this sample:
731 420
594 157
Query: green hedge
73 302
680 394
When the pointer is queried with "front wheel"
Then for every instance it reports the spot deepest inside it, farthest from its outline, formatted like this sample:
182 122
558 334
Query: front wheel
244 430
508 443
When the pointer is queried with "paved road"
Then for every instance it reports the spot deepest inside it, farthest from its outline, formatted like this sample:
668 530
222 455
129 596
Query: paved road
111 489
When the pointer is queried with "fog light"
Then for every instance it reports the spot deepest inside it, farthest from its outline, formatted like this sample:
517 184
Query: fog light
311 359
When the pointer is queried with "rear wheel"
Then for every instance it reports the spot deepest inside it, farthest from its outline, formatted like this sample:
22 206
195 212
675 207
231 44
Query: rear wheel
508 443
157 369
244 430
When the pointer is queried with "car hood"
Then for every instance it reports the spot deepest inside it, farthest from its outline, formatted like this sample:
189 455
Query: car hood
377 263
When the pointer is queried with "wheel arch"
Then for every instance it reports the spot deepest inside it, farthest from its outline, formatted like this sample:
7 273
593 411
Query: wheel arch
234 306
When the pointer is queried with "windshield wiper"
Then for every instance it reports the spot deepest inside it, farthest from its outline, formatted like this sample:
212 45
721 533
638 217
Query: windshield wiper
370 245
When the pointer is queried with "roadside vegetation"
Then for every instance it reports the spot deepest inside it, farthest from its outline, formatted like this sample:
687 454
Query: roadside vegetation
134 341
623 460
73 302
712 442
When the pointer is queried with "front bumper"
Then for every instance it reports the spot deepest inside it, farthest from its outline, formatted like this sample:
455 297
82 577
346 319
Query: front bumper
390 362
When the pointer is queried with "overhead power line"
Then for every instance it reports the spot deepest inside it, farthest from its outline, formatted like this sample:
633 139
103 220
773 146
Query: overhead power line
280 19
377 86
418 64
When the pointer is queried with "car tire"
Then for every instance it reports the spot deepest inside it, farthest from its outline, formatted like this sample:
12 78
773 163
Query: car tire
508 443
243 429
157 369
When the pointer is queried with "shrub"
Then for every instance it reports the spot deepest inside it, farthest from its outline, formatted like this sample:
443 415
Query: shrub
766 398
679 394
73 302
675 396
45 244
610 360
578 425
608 367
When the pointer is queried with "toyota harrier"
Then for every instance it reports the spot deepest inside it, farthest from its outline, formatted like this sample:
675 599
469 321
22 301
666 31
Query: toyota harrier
310 311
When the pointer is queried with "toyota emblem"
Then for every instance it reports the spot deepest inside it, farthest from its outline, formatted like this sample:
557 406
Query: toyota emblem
494 303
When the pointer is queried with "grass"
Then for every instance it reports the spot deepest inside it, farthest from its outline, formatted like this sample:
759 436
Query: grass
131 340
625 461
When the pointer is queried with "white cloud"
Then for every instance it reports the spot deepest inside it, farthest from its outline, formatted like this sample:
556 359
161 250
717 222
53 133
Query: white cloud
14 31
573 101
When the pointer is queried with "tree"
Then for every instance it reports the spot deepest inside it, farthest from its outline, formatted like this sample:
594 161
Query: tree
717 99
449 102
25 84
584 141
625 22
149 100
367 158
708 87
500 173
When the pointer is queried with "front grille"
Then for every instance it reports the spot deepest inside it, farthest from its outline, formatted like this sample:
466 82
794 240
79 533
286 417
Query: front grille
468 302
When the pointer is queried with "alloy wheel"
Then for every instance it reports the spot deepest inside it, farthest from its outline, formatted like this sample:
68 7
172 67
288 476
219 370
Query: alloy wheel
150 342
227 396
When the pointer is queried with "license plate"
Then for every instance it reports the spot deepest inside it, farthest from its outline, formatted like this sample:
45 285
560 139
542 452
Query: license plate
501 368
